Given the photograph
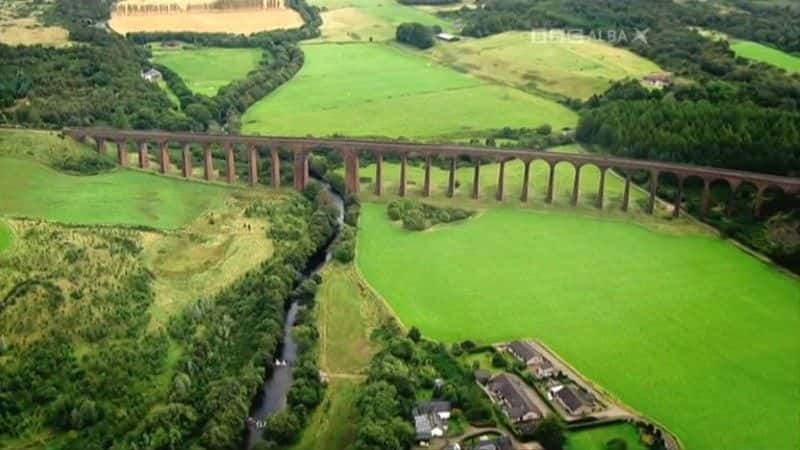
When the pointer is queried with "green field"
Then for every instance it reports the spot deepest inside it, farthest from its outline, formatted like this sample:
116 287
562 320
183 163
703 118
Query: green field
119 198
360 20
568 67
596 438
683 327
769 55
6 236
387 91
205 70
332 426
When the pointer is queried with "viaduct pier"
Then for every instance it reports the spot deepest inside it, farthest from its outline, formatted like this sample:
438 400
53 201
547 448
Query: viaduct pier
254 147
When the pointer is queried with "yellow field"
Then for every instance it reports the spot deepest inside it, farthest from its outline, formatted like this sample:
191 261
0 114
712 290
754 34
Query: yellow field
239 22
573 68
23 28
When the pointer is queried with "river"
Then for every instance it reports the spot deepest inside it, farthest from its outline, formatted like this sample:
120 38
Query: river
272 396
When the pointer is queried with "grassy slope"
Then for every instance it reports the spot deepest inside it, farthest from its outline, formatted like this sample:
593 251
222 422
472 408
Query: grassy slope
687 329
119 198
769 55
388 91
596 438
566 67
332 426
205 70
349 20
6 236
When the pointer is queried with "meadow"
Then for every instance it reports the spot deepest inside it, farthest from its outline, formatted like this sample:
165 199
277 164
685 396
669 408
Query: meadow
205 70
769 55
684 327
121 197
553 63
363 20
240 21
387 91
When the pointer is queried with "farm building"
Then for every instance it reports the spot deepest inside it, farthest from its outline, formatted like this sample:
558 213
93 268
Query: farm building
151 75
525 352
573 400
447 37
658 80
509 392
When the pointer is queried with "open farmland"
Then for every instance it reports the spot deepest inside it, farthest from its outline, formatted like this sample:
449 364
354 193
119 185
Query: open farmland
553 63
205 70
238 22
651 316
362 20
6 236
20 24
769 55
388 91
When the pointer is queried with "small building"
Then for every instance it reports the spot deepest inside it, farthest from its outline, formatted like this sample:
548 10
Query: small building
440 408
509 391
447 37
430 420
573 400
497 443
525 352
543 369
482 376
151 75
658 80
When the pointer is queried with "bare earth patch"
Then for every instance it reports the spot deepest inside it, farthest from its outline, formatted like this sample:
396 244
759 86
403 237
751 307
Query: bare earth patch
240 22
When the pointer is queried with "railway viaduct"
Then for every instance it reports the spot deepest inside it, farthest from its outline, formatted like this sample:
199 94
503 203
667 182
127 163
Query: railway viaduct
350 149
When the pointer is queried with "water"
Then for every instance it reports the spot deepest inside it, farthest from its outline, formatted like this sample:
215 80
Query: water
272 396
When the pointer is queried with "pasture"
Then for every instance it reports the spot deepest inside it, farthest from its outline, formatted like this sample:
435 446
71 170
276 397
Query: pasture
684 327
769 55
545 61
122 197
386 91
205 70
238 22
360 20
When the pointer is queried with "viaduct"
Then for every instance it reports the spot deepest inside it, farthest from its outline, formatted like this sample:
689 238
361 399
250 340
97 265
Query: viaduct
350 149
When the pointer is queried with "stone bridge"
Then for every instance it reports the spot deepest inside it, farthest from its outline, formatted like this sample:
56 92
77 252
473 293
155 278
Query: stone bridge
350 149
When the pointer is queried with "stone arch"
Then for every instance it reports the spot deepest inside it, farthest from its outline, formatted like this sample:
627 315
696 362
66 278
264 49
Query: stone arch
745 199
774 198
693 188
719 193
592 183
562 170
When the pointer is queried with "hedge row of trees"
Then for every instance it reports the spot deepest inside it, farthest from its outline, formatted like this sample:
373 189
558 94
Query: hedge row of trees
418 216
415 34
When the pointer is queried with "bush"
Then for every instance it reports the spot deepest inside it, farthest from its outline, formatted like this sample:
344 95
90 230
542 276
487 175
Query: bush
345 252
414 220
415 34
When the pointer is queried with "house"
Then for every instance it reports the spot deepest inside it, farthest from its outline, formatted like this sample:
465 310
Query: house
440 408
573 400
509 391
658 80
525 352
151 75
482 376
430 420
447 37
497 443
543 369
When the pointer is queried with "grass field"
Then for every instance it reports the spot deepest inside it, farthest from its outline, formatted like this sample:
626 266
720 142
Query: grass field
360 20
6 236
596 438
568 67
685 328
119 198
332 426
388 91
769 55
205 70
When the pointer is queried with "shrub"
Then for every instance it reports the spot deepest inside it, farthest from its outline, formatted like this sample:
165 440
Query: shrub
414 220
415 34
